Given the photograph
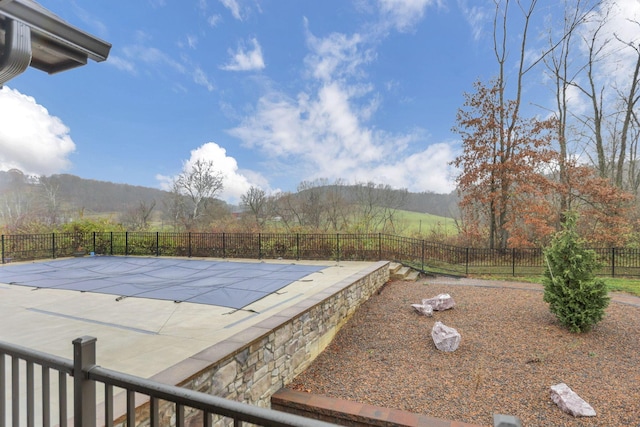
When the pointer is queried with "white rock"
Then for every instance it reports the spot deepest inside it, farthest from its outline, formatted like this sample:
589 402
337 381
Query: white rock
570 402
444 337
440 302
427 310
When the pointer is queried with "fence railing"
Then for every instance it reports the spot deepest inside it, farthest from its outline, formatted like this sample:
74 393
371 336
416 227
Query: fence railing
419 254
52 407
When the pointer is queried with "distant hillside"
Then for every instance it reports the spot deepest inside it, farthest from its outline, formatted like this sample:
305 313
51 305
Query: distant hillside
102 196
97 197
77 193
436 204
445 205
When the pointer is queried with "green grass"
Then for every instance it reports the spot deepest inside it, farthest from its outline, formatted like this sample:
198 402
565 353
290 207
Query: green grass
630 286
615 284
424 223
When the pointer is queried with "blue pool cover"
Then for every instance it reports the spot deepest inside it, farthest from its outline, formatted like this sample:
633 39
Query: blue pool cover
223 283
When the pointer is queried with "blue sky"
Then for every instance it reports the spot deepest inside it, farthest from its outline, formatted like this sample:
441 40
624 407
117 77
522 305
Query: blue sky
274 92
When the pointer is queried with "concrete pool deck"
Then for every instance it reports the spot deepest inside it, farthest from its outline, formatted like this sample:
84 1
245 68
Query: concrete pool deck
141 336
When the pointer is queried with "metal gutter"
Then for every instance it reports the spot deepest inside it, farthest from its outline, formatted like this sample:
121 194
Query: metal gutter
54 34
16 56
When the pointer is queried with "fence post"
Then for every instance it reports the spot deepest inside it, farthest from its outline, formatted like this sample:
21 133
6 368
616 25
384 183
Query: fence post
422 268
379 246
157 243
53 245
84 389
111 243
126 243
259 245
3 248
224 246
189 244
338 247
94 243
613 262
466 262
513 261
298 246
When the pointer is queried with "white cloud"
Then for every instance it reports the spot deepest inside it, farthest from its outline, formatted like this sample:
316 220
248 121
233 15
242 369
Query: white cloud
234 8
245 59
192 41
427 169
30 138
477 16
326 135
153 56
337 55
200 77
403 15
214 20
236 182
324 131
141 54
617 59
121 64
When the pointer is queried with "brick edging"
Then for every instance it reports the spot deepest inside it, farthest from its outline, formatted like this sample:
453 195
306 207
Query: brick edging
350 413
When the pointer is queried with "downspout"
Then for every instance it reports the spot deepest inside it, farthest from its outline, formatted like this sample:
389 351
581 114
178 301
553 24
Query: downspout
17 50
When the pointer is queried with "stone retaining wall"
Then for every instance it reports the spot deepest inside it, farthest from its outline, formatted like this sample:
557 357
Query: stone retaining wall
255 363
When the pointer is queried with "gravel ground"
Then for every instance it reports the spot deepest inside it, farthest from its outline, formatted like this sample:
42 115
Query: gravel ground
512 351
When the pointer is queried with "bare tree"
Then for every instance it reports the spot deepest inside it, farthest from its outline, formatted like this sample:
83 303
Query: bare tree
286 209
310 203
377 207
336 206
565 72
49 189
17 206
200 183
255 201
630 100
138 217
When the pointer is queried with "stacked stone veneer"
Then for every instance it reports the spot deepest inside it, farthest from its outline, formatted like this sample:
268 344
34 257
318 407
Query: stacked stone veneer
255 363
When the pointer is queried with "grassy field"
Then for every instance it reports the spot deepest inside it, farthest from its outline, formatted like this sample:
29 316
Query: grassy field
615 284
425 224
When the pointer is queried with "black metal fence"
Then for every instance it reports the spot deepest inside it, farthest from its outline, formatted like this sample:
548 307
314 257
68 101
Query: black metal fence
419 254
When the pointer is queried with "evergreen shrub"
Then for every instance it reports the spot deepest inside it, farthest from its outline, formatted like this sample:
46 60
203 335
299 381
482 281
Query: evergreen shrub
576 297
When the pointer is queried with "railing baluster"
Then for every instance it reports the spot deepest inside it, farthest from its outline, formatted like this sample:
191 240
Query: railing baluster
154 412
108 405
46 397
15 390
206 419
179 415
30 396
62 398
3 393
131 408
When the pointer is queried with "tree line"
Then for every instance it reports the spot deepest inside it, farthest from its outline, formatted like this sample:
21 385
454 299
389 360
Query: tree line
521 172
35 204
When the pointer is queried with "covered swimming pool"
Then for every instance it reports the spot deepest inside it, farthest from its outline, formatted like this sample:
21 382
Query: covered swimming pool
214 282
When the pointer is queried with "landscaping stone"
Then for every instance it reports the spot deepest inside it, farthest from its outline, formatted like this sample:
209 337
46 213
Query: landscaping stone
445 338
425 309
570 402
500 420
440 302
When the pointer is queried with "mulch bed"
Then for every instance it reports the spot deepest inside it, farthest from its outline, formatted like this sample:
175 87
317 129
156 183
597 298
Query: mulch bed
512 351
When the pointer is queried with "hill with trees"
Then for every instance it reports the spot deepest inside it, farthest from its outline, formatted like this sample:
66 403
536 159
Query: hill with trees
36 204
